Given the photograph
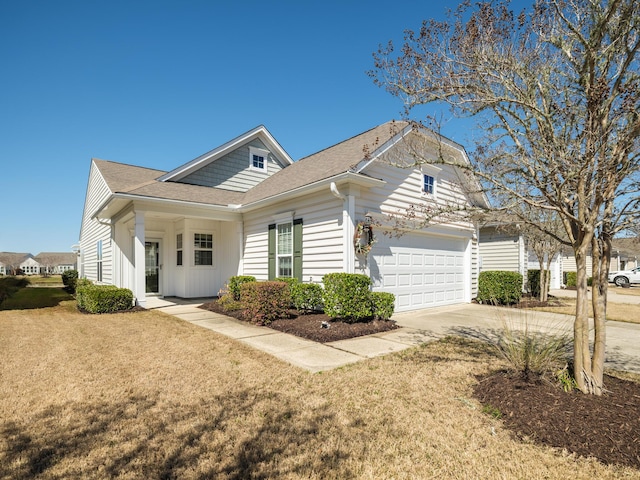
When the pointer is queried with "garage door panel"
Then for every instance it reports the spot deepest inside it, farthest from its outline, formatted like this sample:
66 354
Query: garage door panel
420 270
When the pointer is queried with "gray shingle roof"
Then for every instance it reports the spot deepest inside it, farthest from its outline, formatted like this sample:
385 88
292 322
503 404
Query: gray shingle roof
56 258
327 163
12 258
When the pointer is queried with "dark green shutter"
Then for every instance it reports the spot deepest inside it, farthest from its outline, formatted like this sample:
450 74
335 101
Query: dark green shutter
272 251
297 249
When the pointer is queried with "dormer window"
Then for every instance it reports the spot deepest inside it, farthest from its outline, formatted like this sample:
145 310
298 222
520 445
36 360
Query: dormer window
258 159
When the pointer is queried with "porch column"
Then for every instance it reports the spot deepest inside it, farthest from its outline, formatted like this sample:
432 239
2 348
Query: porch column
139 261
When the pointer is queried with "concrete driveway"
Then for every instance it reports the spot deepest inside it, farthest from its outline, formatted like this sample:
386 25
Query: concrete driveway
485 322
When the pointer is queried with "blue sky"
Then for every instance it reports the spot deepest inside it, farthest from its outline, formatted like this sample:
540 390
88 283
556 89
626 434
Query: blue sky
158 83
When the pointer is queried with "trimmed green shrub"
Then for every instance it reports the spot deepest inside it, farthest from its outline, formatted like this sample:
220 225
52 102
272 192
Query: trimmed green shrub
570 279
383 305
70 280
264 302
306 297
533 282
346 296
499 288
288 280
235 283
103 298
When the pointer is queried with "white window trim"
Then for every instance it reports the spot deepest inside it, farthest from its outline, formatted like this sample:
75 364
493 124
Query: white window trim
431 171
260 152
195 248
278 255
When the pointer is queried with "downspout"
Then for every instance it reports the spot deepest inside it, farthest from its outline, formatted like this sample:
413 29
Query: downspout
348 214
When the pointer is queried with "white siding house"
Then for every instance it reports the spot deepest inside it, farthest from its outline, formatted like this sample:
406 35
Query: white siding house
505 249
185 232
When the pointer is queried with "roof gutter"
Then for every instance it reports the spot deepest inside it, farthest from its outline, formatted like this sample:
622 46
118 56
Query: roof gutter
347 177
164 201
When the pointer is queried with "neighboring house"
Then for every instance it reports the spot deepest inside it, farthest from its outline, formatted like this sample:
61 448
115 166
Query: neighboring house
10 262
247 208
30 265
625 253
505 248
56 262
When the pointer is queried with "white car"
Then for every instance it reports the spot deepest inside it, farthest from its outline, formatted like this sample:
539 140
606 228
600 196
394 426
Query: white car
625 276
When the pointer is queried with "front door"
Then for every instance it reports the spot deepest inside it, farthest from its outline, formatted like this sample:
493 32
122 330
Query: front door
152 267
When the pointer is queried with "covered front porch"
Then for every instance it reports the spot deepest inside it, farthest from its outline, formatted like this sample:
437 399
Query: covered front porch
175 251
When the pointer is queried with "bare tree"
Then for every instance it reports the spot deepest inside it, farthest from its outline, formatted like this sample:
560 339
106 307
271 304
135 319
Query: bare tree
557 92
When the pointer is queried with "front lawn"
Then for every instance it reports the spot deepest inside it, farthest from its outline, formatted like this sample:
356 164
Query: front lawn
145 395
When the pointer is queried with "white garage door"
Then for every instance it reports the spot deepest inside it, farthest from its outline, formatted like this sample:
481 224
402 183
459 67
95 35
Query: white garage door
421 270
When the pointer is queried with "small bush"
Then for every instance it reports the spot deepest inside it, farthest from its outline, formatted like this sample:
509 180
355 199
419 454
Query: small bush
306 297
383 305
570 279
70 280
226 300
499 288
103 298
291 281
235 283
346 296
264 302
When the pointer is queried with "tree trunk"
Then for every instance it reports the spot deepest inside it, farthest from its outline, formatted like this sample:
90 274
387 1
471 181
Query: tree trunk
581 355
601 260
544 284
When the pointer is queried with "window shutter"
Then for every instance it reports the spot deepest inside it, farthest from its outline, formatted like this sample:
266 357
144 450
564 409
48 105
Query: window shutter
272 251
297 249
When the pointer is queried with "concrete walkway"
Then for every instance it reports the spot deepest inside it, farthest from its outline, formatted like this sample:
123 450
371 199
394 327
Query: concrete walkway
475 321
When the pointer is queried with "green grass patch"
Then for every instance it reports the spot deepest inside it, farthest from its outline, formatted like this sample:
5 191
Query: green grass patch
35 297
51 280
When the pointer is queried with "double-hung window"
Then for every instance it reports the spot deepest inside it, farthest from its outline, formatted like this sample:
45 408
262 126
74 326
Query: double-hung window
179 249
284 249
428 184
203 249
99 261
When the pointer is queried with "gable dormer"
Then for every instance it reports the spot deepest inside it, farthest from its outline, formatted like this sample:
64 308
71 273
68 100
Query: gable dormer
238 165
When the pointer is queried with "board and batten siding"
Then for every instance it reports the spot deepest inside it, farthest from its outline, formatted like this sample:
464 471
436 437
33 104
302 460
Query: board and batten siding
233 172
92 231
322 246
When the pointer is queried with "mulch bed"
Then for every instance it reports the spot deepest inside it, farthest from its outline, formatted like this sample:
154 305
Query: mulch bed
310 326
605 427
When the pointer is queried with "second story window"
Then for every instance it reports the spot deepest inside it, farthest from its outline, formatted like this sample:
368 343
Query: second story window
428 184
258 159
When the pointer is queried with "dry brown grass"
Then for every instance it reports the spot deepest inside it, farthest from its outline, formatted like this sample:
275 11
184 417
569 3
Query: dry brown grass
634 290
622 312
144 395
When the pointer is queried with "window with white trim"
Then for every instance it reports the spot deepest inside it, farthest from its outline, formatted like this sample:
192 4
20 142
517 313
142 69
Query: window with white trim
99 261
258 159
428 184
203 249
179 249
284 249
